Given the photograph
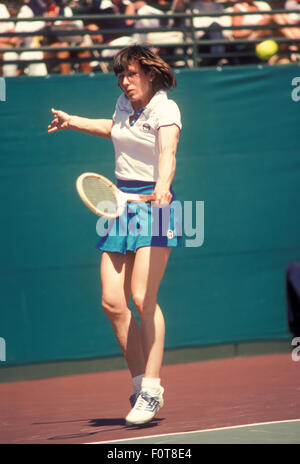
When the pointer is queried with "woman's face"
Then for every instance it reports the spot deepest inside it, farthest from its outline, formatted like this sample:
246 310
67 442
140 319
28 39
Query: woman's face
136 84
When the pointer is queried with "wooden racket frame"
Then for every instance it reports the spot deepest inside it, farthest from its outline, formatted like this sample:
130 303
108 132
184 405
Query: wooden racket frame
121 197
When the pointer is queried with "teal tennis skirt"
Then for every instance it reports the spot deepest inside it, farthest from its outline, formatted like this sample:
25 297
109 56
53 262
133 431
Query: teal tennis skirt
141 224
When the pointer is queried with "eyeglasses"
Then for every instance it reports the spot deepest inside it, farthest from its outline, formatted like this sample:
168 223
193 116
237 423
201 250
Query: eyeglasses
130 75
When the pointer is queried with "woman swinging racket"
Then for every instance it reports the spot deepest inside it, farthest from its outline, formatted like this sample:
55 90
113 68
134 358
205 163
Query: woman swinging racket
145 130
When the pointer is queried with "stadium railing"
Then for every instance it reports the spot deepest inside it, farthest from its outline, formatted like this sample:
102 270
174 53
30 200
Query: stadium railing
186 52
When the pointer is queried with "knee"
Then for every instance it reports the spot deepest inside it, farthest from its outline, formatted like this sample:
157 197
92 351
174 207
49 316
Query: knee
143 303
112 308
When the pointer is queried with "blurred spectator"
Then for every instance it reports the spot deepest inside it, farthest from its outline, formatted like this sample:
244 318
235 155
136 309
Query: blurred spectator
91 40
214 31
203 6
128 8
259 19
108 7
170 40
111 7
30 9
210 27
153 8
289 52
293 5
54 39
140 8
163 35
7 70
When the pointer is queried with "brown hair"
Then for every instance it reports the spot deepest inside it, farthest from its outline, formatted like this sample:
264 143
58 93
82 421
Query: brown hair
164 77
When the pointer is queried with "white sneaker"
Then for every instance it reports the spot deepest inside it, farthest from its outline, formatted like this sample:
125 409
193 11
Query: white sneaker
145 408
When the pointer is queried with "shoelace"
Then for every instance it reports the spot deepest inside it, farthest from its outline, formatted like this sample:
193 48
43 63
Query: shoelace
133 398
146 402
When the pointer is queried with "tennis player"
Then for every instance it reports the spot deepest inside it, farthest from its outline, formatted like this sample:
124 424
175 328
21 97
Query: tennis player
144 130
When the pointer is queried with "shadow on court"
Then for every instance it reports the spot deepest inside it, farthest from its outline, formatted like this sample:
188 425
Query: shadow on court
115 423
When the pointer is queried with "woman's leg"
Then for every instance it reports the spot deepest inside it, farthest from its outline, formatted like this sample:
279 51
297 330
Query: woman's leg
116 271
148 270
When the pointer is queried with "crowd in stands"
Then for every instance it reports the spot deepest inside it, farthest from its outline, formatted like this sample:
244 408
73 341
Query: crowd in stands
233 36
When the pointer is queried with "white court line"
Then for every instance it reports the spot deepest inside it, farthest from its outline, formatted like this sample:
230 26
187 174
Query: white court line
194 431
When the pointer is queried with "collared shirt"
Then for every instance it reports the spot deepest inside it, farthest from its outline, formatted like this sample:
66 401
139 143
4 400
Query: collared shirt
136 146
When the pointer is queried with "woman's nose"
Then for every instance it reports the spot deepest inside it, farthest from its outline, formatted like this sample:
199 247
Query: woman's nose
125 80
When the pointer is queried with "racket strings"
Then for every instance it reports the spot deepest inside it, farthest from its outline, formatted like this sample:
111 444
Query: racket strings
100 195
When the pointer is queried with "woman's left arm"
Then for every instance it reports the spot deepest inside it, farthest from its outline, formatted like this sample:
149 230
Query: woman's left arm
167 141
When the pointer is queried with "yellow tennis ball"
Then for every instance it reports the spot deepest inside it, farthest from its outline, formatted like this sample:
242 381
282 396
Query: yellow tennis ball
266 49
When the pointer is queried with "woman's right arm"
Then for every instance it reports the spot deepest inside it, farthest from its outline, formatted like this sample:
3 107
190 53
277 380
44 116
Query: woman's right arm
98 127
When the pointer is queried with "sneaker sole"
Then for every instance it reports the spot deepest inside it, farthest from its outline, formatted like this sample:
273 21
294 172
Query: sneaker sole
130 424
139 422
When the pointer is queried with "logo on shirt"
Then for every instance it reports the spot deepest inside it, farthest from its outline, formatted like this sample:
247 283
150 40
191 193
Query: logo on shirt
146 127
170 234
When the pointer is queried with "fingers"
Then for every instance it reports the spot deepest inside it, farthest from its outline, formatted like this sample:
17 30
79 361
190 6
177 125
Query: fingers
54 124
58 113
52 128
59 122
162 200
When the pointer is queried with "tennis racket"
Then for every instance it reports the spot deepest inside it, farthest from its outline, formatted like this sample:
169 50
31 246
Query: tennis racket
103 197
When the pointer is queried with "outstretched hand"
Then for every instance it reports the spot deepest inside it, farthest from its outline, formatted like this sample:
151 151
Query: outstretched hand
60 121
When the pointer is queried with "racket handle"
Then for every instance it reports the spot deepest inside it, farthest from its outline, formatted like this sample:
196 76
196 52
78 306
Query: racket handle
140 198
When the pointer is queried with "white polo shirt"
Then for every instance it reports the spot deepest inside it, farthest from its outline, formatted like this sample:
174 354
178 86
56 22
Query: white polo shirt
136 146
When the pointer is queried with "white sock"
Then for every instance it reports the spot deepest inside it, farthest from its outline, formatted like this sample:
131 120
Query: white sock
137 382
150 385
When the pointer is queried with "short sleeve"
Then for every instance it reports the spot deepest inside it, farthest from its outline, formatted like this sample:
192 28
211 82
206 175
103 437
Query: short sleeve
116 110
168 114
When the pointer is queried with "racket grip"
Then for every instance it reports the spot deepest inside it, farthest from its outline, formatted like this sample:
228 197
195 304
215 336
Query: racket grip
140 198
148 198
